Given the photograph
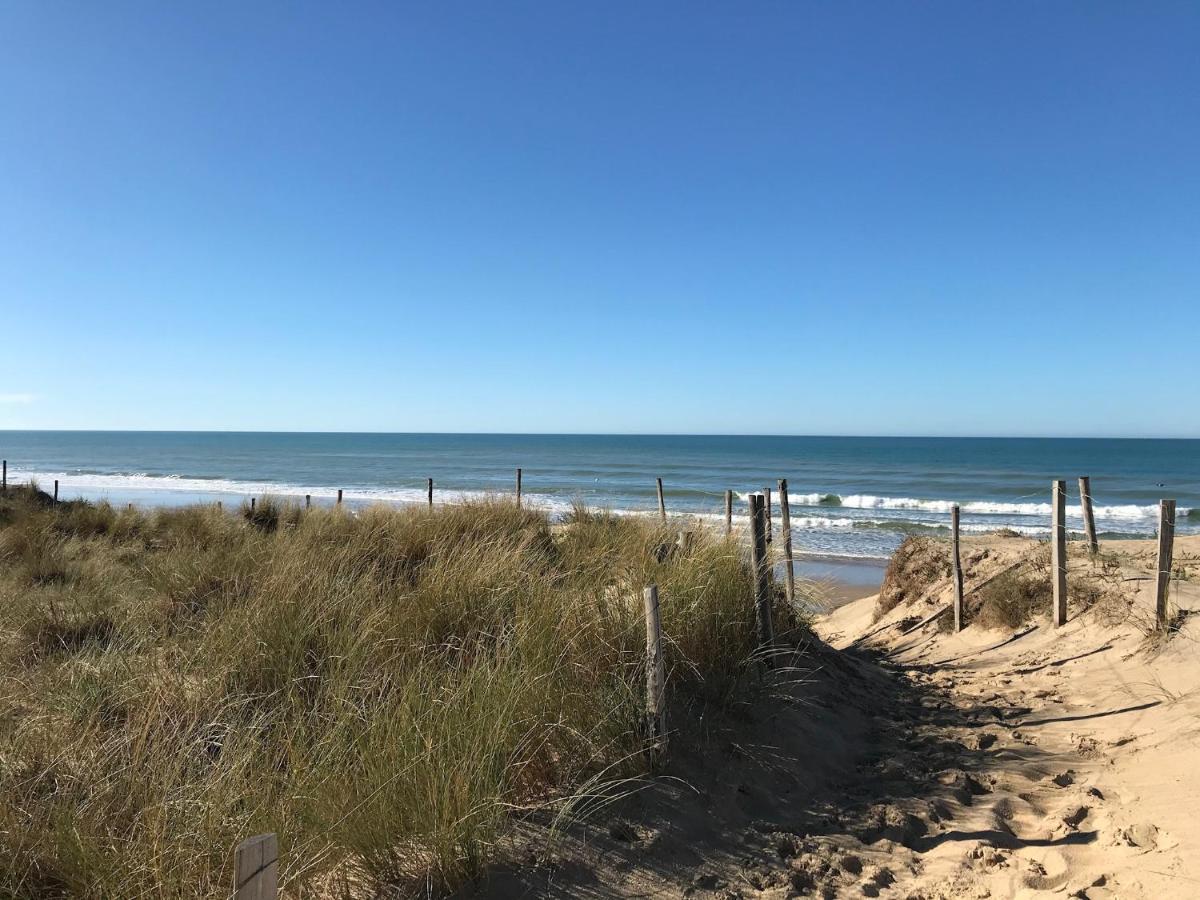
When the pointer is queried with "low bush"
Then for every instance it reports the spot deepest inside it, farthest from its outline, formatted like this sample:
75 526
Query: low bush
1012 599
916 566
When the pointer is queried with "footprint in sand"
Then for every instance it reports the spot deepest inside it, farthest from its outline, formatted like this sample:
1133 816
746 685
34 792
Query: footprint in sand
1046 873
1143 835
1074 815
1064 779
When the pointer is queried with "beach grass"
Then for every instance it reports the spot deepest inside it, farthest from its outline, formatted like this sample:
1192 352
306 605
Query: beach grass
385 689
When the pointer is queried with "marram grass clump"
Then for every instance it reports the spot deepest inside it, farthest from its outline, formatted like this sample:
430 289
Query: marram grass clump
382 689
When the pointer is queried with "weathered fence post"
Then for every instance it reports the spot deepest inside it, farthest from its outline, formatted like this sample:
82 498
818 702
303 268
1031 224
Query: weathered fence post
339 500
1089 518
307 501
728 513
4 477
957 569
518 486
662 506
429 488
785 524
656 677
1058 550
767 506
762 587
55 490
256 868
1166 547
251 506
685 540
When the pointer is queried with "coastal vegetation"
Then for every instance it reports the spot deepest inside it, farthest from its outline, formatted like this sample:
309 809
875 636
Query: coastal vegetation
385 689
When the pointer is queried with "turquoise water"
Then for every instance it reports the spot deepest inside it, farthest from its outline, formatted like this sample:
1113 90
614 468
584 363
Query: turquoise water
850 496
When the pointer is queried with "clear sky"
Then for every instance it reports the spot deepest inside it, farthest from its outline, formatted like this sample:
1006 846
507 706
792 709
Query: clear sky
800 217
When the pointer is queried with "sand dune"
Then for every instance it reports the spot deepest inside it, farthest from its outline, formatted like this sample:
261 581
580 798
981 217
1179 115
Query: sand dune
910 762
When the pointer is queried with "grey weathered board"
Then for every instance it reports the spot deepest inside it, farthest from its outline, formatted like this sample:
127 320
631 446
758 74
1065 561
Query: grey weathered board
956 568
256 868
1058 550
785 524
1089 516
656 677
1166 546
762 585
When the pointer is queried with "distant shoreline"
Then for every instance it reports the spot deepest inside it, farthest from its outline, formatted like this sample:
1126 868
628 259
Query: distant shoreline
850 497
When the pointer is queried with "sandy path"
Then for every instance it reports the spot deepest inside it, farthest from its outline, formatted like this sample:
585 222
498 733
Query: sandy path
1037 763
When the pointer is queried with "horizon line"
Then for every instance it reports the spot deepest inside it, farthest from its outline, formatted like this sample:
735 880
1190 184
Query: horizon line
711 434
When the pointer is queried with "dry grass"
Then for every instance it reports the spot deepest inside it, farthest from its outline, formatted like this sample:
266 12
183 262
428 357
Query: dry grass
916 566
380 689
1012 599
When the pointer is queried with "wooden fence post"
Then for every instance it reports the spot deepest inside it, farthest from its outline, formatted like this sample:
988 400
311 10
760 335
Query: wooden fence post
785 524
251 506
1089 518
429 488
307 500
339 500
728 513
656 677
767 506
1166 546
4 481
662 506
55 490
256 868
957 569
1058 550
762 587
518 486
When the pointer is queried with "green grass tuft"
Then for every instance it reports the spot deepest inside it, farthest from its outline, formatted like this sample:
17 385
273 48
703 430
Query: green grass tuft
380 688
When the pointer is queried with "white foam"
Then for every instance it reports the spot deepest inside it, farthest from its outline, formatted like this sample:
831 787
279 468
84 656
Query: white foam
141 482
922 512
977 507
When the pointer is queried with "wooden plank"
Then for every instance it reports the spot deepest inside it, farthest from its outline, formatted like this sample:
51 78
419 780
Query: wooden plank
256 868
785 523
1058 550
662 506
728 513
686 541
1089 518
767 507
762 586
957 572
1166 547
656 677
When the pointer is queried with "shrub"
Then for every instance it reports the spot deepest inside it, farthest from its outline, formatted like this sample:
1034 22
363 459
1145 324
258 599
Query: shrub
1012 599
917 564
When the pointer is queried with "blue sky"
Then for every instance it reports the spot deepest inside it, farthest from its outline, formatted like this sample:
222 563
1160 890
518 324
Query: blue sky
846 218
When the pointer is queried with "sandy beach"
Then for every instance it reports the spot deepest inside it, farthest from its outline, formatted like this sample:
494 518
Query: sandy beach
907 761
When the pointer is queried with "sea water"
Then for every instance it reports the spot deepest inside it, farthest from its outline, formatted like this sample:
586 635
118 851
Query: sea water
850 496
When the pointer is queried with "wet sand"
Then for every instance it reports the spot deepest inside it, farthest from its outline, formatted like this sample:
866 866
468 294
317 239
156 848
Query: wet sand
842 580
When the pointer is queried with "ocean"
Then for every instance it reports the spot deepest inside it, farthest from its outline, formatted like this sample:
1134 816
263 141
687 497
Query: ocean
850 496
